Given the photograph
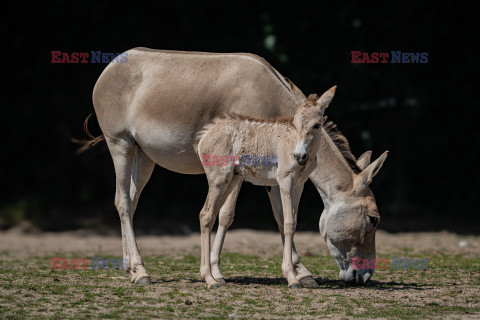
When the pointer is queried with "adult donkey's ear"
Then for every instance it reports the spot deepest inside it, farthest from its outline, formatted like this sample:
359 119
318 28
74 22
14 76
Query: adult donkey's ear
326 98
364 160
365 177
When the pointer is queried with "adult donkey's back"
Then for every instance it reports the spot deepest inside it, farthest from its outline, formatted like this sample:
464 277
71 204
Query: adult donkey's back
151 108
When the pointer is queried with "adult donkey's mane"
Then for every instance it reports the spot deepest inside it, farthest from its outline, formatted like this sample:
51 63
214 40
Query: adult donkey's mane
342 144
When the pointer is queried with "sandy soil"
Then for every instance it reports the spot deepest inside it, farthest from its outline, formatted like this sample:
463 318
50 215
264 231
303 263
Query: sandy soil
436 289
261 243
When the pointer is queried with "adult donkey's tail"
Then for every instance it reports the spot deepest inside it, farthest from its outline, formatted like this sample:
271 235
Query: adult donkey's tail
86 144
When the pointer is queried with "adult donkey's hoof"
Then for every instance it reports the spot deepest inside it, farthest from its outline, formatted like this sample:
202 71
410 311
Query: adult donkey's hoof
294 286
143 281
308 282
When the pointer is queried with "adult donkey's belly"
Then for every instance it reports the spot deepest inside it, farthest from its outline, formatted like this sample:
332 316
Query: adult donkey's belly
162 99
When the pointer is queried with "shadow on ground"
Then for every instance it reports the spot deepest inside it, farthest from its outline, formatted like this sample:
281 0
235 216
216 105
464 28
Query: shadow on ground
330 284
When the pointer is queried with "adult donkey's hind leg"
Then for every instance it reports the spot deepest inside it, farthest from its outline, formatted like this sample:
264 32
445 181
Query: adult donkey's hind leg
225 219
142 168
122 150
303 275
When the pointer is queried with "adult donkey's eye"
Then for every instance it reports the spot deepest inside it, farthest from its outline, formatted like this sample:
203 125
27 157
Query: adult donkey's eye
316 126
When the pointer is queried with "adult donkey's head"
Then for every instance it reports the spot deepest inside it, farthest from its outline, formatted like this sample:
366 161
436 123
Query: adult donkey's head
350 219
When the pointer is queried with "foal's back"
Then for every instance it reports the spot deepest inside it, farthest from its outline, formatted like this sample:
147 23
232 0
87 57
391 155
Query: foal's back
255 144
234 134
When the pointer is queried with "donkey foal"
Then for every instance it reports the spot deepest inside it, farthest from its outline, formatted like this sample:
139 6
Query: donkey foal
291 140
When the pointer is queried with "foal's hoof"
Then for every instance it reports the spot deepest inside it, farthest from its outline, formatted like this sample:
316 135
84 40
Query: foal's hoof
221 282
294 286
308 282
143 281
214 286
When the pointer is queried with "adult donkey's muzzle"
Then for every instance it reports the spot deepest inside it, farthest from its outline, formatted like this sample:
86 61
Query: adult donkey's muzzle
301 158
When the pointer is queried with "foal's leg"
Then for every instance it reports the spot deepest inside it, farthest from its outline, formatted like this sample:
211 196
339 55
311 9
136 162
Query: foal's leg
288 195
225 219
142 168
218 190
122 150
303 275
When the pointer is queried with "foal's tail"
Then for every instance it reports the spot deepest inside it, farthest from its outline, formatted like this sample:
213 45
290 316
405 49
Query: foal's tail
85 143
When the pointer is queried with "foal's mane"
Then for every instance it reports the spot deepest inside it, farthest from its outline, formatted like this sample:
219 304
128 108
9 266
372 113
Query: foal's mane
236 116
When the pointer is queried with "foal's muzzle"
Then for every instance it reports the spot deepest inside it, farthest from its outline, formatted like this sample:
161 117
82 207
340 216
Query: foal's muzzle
301 158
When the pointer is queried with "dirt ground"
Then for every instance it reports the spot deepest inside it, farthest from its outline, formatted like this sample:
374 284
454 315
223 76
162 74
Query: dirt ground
256 289
242 241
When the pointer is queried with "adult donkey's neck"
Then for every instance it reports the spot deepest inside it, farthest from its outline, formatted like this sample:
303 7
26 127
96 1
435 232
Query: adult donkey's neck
332 174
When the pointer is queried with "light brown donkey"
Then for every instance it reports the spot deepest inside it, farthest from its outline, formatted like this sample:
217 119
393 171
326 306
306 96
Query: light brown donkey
151 108
290 140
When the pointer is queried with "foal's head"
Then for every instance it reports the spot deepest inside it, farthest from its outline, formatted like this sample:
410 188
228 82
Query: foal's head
308 121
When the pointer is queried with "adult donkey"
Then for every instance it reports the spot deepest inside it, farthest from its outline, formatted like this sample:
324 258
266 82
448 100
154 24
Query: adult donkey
151 108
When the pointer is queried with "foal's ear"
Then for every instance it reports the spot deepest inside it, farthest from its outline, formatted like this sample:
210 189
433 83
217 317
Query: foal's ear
364 160
365 177
326 98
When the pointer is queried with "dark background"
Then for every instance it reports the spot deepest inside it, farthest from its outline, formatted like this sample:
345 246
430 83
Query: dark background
425 114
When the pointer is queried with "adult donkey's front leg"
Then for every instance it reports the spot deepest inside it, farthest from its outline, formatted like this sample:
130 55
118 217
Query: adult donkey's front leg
303 275
122 151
